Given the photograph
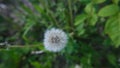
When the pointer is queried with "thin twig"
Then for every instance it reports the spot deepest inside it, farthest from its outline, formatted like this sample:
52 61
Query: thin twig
37 52
7 48
21 46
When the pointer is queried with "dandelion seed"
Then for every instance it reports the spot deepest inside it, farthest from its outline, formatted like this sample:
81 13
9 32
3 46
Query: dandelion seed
55 40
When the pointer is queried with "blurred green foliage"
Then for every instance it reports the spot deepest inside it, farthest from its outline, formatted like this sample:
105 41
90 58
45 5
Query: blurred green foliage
93 28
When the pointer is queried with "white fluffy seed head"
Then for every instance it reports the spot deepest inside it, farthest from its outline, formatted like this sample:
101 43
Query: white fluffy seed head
55 40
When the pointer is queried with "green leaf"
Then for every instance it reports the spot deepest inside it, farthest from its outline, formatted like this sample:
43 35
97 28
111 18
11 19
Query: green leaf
86 61
93 20
29 24
80 29
89 8
112 28
98 1
112 59
108 10
79 23
36 64
80 19
38 8
116 1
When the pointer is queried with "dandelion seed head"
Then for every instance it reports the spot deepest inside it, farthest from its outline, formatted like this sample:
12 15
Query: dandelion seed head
55 40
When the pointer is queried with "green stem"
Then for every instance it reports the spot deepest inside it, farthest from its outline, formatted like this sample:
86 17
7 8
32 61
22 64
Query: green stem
50 14
53 19
70 12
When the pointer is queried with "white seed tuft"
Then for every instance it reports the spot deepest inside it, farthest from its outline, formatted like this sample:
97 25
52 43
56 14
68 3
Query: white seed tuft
55 40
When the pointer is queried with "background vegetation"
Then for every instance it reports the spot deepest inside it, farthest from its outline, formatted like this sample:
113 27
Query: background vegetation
93 28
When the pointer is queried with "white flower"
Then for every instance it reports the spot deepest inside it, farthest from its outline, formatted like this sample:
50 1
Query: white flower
55 40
